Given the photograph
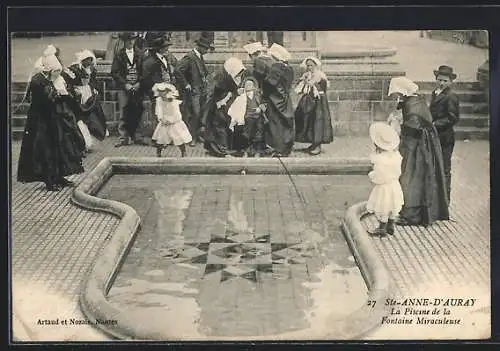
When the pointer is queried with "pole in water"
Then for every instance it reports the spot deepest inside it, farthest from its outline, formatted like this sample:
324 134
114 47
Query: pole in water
301 198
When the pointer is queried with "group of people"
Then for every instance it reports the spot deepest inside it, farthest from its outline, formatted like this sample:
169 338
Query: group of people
412 159
239 111
64 119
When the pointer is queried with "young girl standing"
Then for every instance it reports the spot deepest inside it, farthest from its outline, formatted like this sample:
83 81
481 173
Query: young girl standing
386 198
170 129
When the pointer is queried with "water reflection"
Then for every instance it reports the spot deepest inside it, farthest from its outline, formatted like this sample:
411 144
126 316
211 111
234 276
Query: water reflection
231 265
172 305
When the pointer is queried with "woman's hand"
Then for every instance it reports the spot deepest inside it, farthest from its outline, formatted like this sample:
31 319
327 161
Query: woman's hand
241 91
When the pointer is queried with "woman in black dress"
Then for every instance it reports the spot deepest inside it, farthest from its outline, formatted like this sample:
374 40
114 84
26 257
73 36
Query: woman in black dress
52 146
224 90
422 175
277 77
313 122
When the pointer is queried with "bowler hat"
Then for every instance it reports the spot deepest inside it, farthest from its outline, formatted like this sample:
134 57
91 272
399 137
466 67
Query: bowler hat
206 40
159 43
128 35
445 71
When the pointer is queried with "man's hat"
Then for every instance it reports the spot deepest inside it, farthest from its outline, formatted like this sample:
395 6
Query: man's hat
206 40
445 71
384 136
159 43
128 35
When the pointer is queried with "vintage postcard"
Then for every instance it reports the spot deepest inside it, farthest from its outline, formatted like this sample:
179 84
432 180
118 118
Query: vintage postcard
246 185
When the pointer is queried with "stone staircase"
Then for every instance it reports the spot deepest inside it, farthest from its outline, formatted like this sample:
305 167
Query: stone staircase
474 109
473 124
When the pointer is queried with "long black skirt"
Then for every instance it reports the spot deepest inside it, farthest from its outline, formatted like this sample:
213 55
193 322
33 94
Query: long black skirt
52 147
313 122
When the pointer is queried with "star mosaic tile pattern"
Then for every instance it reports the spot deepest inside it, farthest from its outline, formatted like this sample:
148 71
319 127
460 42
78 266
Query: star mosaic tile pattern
243 255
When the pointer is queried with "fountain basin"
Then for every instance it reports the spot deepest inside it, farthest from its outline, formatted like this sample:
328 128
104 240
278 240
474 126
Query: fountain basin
95 298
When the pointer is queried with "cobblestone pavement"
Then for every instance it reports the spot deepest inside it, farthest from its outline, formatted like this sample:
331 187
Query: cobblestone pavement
54 243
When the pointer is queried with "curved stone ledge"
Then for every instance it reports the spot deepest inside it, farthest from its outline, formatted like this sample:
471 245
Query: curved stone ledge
95 305
371 266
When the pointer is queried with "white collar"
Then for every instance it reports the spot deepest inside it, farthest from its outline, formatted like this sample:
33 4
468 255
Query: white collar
197 52
160 56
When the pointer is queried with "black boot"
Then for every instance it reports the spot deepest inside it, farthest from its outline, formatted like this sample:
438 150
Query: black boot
64 182
183 150
380 231
51 186
123 142
158 151
390 227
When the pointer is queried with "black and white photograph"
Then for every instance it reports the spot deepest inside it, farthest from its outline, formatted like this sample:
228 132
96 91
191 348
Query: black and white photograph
250 185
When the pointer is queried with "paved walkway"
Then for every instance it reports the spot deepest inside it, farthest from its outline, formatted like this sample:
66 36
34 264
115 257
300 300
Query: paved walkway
430 53
54 243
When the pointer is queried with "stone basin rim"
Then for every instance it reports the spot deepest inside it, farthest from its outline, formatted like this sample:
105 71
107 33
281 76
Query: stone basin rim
100 278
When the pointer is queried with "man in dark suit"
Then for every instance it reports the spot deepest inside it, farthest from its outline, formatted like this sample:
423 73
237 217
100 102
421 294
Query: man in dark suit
126 70
275 37
444 108
191 74
158 66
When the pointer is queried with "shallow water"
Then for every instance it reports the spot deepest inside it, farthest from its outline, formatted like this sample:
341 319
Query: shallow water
238 255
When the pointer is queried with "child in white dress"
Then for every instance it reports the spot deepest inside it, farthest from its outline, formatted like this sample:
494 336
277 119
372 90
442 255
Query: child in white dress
171 129
386 198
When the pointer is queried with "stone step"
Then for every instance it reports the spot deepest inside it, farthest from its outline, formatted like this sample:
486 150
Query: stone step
17 133
463 95
18 86
19 108
474 108
478 121
18 120
17 96
466 108
472 133
456 85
